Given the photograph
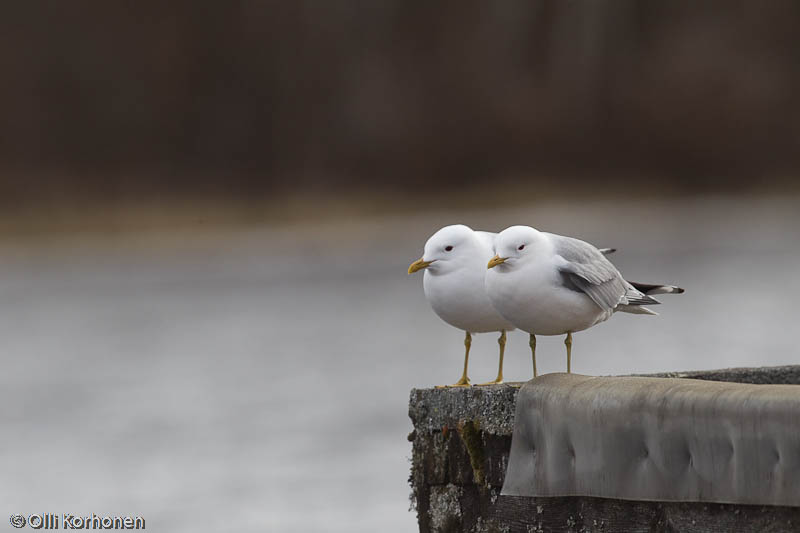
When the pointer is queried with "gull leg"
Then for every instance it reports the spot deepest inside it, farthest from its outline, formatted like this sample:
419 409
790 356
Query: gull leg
532 344
464 381
502 342
568 343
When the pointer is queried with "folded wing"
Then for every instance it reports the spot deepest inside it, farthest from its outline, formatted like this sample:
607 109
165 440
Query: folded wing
583 267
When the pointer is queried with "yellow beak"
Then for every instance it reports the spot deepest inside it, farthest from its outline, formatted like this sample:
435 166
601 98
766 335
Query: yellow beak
496 260
419 264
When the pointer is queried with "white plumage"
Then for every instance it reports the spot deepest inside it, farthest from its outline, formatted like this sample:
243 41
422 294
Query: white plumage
548 284
454 261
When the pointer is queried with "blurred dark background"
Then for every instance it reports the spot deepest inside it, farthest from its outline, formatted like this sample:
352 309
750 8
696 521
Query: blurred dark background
128 101
191 319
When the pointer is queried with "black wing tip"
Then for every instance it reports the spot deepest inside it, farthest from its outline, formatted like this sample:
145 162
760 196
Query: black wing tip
647 288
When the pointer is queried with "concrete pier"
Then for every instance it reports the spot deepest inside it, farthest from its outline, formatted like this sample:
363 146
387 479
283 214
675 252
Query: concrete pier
461 444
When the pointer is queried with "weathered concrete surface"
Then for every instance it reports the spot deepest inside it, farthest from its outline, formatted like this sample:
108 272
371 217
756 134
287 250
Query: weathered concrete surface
656 439
491 407
462 438
774 375
461 442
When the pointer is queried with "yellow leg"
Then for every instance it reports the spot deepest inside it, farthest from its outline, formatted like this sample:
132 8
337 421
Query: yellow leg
532 344
464 381
502 342
568 342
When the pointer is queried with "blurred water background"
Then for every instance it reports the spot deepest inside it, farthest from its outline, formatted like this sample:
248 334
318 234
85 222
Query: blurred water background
259 376
207 211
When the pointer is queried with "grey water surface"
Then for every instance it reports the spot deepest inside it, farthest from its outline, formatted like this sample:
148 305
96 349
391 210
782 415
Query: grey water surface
257 379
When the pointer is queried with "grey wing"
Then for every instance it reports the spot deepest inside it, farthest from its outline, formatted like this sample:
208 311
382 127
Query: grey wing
585 268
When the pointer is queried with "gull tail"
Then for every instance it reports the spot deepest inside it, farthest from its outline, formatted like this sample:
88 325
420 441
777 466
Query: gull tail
646 288
635 309
606 251
640 294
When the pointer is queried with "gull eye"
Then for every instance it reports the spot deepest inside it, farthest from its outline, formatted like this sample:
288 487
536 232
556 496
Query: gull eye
448 248
521 247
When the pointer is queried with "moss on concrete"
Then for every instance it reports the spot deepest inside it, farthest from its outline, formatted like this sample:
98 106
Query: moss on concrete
474 443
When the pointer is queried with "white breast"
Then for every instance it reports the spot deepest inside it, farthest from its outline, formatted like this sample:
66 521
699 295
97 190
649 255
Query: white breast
460 299
534 300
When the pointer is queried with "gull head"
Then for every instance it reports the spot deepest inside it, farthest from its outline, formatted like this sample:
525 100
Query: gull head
516 245
450 248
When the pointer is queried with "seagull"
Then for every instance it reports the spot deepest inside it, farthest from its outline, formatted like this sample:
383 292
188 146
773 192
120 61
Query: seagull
548 284
454 261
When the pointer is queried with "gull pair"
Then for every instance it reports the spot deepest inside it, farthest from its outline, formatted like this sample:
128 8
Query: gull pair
541 283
